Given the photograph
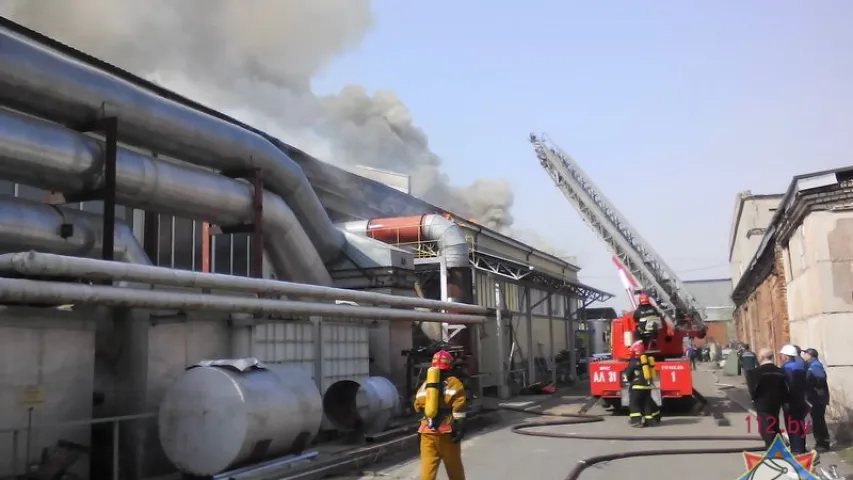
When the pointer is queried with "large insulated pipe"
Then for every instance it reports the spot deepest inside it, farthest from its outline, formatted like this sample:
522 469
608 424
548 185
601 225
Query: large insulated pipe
452 246
221 413
364 406
45 78
418 228
66 231
33 291
49 156
45 264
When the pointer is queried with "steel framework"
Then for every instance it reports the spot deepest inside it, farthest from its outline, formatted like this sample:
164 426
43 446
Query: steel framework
647 267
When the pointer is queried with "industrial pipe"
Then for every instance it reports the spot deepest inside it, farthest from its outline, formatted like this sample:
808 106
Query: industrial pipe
418 228
365 406
49 156
32 291
62 230
456 281
45 264
48 79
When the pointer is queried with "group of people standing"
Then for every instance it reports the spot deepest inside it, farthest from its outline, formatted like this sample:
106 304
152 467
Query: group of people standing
798 388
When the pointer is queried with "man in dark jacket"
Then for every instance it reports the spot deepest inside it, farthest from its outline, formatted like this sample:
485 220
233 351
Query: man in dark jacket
795 414
768 388
817 393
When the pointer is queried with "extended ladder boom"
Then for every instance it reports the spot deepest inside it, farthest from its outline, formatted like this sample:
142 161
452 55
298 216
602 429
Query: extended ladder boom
646 266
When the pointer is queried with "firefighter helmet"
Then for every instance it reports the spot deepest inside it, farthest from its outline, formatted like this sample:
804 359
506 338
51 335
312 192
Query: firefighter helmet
644 299
637 348
442 360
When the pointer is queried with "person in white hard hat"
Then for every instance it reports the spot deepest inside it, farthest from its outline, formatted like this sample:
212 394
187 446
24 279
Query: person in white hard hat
795 415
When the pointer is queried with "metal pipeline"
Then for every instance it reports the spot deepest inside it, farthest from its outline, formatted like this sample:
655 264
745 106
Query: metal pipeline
42 292
577 419
266 469
45 264
49 156
419 228
457 284
364 406
40 226
43 77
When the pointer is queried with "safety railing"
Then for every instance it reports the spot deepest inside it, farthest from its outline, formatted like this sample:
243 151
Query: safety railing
27 432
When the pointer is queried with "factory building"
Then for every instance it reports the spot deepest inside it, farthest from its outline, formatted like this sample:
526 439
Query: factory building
99 163
752 215
798 287
715 296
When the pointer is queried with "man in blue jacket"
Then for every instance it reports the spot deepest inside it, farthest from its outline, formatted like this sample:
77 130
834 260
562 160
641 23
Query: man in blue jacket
795 413
800 360
817 393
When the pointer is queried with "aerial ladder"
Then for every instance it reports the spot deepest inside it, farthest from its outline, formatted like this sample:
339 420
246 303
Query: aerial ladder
641 269
656 278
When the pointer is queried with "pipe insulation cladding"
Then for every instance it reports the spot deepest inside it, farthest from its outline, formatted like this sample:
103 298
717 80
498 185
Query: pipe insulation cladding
41 292
410 230
49 156
42 77
46 264
224 412
62 230
364 406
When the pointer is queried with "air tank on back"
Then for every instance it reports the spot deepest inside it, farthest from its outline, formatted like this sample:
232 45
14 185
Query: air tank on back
223 413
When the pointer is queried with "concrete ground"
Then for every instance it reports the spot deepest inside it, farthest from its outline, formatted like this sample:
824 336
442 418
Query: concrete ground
499 453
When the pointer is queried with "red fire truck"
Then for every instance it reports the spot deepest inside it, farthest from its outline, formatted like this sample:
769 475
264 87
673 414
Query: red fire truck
674 382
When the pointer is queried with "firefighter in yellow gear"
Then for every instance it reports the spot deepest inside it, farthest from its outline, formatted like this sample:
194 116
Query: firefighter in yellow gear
441 401
640 376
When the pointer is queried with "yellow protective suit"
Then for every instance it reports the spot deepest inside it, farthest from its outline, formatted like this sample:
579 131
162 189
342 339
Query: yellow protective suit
437 443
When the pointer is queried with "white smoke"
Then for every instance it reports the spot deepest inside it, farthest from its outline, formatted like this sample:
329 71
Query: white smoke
255 60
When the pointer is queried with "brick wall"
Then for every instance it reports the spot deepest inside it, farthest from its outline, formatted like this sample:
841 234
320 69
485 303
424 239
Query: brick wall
762 320
718 331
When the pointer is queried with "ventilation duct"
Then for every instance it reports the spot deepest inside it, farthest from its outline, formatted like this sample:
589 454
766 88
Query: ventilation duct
49 156
45 78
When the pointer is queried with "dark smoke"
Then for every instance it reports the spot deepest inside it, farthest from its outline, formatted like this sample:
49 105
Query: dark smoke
255 60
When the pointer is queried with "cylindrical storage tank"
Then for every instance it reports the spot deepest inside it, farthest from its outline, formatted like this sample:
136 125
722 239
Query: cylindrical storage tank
222 413
365 406
599 336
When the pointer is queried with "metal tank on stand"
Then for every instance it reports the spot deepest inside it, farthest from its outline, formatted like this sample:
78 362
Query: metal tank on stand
598 331
226 413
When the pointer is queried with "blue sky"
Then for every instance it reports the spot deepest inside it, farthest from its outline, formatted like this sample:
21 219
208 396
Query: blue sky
671 107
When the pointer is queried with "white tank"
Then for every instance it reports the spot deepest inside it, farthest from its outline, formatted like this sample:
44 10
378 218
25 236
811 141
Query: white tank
599 336
223 412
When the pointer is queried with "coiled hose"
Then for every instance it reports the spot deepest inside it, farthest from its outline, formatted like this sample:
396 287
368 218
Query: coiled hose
579 418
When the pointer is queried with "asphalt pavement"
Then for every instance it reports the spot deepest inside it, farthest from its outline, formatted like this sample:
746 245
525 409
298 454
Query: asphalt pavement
735 389
501 454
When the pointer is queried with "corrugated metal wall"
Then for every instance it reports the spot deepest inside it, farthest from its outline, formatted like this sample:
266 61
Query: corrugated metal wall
513 297
346 353
285 342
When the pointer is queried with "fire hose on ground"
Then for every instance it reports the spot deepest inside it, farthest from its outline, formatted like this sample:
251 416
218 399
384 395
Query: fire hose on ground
581 418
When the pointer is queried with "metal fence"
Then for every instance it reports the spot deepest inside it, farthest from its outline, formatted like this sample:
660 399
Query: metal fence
16 433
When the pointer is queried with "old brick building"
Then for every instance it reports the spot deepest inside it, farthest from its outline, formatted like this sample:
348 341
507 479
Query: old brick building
798 287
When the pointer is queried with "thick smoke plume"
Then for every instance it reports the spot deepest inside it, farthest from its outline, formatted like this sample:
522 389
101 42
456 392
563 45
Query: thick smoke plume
255 60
